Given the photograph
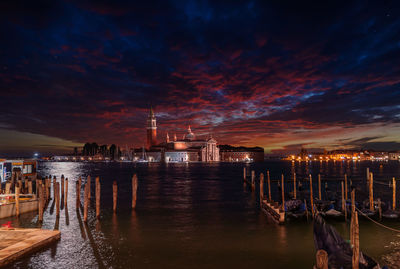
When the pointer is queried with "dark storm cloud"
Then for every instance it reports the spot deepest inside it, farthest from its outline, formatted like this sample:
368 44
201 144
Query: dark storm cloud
89 70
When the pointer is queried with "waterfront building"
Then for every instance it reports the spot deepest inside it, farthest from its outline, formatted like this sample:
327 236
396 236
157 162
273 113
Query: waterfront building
241 154
394 156
188 149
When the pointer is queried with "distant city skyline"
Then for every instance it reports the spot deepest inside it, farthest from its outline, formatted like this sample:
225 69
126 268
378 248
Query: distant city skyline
281 75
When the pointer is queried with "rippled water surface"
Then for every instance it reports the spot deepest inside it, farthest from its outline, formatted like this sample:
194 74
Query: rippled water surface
193 216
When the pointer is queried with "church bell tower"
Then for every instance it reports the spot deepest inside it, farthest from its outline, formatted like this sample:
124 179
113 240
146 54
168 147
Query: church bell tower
151 129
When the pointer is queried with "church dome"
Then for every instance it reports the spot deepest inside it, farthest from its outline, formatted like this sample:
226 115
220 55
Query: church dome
189 135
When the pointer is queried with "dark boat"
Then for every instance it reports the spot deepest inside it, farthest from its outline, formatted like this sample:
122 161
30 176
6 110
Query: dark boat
339 251
295 209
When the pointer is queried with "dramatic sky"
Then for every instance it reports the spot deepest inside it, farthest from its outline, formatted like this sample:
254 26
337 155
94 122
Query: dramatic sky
276 74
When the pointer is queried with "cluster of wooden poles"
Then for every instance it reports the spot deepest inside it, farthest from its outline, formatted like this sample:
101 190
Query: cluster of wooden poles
344 190
322 255
87 195
261 181
43 193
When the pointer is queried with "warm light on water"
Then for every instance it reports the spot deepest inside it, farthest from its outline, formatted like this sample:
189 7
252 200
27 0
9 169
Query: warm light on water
191 216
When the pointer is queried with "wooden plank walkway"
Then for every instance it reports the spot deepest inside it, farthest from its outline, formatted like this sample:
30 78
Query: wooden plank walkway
16 242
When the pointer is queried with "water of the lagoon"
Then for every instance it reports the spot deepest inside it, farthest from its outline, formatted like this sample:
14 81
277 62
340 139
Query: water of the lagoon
196 215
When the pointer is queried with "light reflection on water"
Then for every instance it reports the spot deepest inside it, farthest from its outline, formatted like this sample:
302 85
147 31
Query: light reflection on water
189 215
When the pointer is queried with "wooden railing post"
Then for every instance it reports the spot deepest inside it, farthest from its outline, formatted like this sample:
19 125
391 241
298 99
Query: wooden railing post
30 187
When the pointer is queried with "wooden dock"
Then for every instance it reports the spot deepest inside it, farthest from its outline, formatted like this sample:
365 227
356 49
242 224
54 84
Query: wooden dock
17 242
274 210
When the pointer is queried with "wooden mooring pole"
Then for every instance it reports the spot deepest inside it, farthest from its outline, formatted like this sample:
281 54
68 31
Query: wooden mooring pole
134 190
343 202
66 192
311 197
79 191
261 188
48 187
269 187
86 202
345 187
394 193
371 192
77 195
41 206
294 186
97 197
89 188
57 196
321 259
62 185
115 195
253 180
356 241
283 192
54 186
17 201
319 187
44 189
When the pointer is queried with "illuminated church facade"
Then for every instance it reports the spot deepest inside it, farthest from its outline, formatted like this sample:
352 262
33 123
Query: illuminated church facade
187 149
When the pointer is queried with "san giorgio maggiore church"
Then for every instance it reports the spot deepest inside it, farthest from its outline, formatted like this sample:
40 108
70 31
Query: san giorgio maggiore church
187 149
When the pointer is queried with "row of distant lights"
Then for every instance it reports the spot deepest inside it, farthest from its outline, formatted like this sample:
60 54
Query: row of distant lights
309 158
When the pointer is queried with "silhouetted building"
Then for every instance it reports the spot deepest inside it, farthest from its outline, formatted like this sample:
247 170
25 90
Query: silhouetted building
241 154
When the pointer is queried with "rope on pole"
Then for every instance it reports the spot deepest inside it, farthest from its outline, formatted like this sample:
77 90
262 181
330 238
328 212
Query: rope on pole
377 223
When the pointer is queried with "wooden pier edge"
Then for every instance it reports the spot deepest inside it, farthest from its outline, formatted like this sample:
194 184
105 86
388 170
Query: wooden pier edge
276 213
36 239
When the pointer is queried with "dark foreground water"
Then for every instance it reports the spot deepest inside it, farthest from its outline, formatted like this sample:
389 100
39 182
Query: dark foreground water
194 216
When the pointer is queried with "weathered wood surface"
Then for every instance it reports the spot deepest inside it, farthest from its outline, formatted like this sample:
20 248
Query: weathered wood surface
98 197
115 195
15 243
274 211
134 190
